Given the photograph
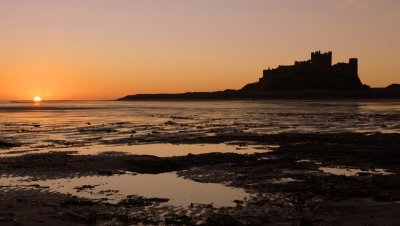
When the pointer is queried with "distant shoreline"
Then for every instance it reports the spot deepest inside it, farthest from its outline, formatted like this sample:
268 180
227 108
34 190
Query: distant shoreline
314 79
367 94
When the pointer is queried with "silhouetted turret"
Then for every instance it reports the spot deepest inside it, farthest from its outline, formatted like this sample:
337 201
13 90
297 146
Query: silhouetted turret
315 78
315 74
321 61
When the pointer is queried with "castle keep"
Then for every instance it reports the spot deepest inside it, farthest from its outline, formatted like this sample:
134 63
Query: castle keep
314 74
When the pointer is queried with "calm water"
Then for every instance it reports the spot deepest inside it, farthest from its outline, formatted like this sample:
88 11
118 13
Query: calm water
66 124
179 191
91 127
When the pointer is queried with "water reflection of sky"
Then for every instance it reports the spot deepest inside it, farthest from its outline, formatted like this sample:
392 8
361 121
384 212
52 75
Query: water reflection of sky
160 149
179 191
66 123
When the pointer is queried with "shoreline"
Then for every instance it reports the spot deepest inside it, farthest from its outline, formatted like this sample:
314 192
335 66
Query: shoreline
366 94
288 184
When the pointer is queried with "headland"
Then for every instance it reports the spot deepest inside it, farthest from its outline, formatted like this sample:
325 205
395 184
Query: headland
316 78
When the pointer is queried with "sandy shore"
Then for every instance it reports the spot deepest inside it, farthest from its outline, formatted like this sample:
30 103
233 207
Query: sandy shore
288 185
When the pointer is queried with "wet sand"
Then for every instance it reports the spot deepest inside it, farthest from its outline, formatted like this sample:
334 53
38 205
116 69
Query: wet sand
287 186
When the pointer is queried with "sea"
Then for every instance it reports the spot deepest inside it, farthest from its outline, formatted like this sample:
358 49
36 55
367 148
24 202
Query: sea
100 126
149 127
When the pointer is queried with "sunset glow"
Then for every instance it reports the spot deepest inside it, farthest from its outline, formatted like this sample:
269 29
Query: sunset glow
71 49
211 112
37 99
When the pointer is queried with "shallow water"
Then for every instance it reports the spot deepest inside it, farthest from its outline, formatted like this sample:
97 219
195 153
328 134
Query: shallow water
160 150
181 192
65 124
350 172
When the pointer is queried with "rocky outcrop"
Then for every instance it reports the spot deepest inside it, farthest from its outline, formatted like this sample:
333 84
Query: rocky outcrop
394 86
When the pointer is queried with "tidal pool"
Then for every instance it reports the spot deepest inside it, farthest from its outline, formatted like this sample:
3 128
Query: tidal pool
112 189
350 172
160 150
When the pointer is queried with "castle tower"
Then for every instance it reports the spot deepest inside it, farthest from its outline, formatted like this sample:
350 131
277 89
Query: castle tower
321 60
318 73
353 62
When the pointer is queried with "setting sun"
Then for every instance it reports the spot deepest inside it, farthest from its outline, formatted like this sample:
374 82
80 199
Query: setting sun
37 99
199 112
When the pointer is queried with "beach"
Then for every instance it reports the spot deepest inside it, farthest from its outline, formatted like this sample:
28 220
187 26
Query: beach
200 163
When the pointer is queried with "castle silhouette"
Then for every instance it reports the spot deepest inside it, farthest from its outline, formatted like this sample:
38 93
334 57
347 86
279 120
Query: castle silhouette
312 79
318 73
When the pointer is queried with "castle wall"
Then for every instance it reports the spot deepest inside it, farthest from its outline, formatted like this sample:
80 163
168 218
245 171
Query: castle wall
321 61
316 73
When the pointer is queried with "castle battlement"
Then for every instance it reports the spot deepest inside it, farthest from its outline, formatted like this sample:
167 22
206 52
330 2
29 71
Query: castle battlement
315 73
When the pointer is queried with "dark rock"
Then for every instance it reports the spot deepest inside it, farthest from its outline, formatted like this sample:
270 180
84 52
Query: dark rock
223 220
306 222
92 217
105 173
170 123
364 174
75 201
134 200
84 187
394 86
7 144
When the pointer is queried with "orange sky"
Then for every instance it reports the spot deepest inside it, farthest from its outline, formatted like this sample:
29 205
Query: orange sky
101 49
